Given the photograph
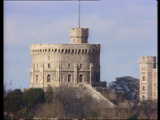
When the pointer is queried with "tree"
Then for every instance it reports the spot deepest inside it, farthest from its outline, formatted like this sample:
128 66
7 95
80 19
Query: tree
64 98
147 109
33 96
13 101
64 105
49 94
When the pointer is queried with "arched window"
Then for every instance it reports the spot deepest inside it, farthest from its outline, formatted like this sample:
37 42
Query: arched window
36 78
48 78
69 78
80 78
49 65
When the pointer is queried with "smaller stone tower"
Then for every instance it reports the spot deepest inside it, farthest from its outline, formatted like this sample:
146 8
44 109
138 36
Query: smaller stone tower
78 35
147 68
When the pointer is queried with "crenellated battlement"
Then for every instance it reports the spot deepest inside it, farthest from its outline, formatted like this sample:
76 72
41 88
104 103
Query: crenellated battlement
65 49
78 35
147 59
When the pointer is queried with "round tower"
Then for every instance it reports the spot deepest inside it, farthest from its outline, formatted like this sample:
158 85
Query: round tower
78 35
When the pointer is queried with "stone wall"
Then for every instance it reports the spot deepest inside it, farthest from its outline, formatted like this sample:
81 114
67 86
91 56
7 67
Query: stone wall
147 64
59 60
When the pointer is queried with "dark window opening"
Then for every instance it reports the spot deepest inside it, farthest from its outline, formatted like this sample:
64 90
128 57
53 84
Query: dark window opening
143 88
36 78
80 78
143 78
69 66
49 66
69 78
48 78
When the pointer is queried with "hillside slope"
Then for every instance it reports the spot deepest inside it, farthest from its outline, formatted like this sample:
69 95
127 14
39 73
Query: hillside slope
87 89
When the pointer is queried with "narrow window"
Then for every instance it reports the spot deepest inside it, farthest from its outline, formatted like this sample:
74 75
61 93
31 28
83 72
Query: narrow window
80 66
154 66
49 65
48 57
143 78
80 78
143 88
69 78
48 78
36 78
68 65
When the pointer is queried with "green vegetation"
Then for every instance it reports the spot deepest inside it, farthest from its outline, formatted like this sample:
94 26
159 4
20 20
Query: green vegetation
49 94
63 103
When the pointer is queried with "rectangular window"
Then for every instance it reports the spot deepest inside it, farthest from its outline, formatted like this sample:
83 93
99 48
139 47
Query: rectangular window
49 65
68 65
143 88
36 78
80 66
143 78
154 66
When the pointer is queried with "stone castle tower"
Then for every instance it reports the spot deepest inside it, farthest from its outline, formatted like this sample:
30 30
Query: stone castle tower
148 78
56 64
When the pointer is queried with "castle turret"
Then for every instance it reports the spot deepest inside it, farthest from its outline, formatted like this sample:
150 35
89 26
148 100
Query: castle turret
78 35
147 65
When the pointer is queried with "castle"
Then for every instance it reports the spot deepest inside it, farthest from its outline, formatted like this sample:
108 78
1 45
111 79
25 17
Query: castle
148 78
57 64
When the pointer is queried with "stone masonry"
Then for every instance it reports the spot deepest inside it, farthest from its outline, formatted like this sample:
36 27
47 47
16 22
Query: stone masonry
148 78
55 64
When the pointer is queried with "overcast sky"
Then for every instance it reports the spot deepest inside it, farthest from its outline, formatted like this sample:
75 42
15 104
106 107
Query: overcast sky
126 30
